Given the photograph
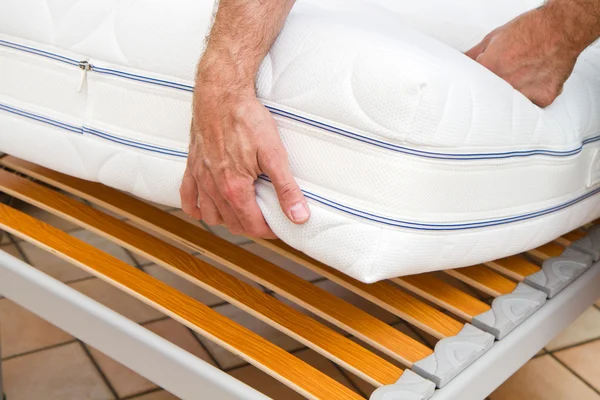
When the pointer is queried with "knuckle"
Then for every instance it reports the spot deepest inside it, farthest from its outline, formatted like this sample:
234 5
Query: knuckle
288 191
232 190
272 157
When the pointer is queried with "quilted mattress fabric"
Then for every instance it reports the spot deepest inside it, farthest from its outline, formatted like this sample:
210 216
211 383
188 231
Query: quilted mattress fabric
413 157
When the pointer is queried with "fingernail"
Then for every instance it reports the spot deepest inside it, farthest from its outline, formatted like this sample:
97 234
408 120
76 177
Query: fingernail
299 212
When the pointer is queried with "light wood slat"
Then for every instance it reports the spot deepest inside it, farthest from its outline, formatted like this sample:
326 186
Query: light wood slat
547 251
516 267
299 326
444 295
207 322
352 319
484 279
568 238
384 294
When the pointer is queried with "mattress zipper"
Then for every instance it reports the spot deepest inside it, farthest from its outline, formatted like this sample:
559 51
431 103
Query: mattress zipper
86 66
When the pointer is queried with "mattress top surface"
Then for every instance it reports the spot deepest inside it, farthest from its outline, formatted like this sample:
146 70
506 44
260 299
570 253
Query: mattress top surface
387 70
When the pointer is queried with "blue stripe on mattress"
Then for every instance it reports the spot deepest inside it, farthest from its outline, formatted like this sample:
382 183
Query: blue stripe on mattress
313 196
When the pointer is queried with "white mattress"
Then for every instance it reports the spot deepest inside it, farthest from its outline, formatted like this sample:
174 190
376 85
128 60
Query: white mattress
413 157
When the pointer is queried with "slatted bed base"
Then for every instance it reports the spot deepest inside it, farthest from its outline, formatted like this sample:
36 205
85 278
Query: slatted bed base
463 327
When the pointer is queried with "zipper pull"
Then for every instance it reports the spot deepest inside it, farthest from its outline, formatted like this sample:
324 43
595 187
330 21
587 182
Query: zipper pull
85 67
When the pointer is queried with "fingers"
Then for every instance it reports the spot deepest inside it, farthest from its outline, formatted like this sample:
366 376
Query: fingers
275 164
241 197
188 192
210 212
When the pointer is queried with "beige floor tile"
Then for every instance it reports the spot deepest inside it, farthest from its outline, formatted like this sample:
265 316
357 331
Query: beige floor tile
117 300
281 261
159 395
262 382
544 378
271 387
364 387
22 331
12 250
584 360
127 382
51 264
586 327
181 336
229 360
182 285
61 373
103 244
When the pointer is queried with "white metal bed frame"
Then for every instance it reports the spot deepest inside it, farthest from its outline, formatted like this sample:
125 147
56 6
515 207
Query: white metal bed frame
191 378
186 376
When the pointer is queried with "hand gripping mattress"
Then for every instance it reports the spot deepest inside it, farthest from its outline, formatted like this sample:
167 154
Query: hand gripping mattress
412 156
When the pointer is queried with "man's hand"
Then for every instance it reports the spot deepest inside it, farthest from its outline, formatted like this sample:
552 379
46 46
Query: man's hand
536 52
234 138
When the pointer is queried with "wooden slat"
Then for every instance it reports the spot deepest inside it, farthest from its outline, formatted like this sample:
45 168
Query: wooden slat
299 326
352 319
444 295
547 251
568 238
516 267
484 279
207 322
384 294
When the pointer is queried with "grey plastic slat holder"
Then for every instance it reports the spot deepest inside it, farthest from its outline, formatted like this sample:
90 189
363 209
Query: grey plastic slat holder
558 272
510 310
589 244
410 386
452 355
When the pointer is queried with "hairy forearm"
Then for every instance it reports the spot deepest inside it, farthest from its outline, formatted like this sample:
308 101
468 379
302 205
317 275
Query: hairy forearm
241 36
578 21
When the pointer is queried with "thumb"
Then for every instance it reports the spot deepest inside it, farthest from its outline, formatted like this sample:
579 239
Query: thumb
276 165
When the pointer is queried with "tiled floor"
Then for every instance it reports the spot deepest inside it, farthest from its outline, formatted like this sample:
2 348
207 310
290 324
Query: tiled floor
42 362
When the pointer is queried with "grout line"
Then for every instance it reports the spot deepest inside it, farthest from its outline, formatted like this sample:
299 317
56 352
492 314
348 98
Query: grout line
572 345
133 259
19 249
99 370
153 320
210 354
140 394
574 373
52 346
349 379
85 278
